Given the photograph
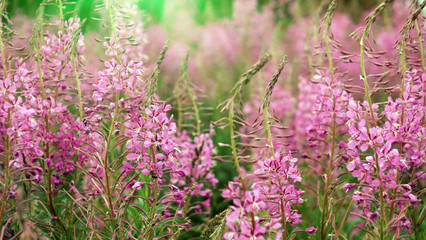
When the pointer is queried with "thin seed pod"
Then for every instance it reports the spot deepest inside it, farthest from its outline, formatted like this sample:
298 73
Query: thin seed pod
193 98
8 124
325 210
215 227
152 84
271 85
160 59
246 77
179 92
229 104
369 22
403 41
266 102
327 24
77 79
36 38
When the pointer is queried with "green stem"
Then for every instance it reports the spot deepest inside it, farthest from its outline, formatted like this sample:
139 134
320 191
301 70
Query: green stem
266 103
3 56
370 104
113 30
268 130
325 208
194 104
283 219
403 68
7 170
330 60
155 195
61 15
364 78
77 79
370 20
230 104
344 219
233 143
40 73
8 124
113 120
49 179
419 34
106 162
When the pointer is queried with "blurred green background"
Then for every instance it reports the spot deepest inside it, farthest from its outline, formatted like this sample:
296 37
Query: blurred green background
203 10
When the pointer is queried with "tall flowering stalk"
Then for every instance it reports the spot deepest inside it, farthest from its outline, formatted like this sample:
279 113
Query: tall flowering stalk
377 134
196 150
6 120
230 105
253 228
325 204
263 207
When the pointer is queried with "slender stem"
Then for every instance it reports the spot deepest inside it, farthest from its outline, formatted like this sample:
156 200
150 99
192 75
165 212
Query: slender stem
419 34
113 30
303 214
403 68
3 56
404 36
7 170
330 59
49 179
8 124
47 149
194 104
234 145
61 14
283 219
370 21
113 120
325 208
415 226
344 218
77 79
230 104
268 130
40 73
111 15
364 78
179 106
267 96
155 195
235 154
76 173
106 162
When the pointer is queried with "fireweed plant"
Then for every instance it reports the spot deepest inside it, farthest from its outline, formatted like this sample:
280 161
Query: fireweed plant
91 150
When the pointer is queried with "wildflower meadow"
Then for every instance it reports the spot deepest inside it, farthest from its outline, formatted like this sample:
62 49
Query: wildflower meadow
202 119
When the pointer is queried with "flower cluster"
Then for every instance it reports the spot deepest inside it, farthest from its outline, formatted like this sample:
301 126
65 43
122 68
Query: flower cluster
388 147
267 207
